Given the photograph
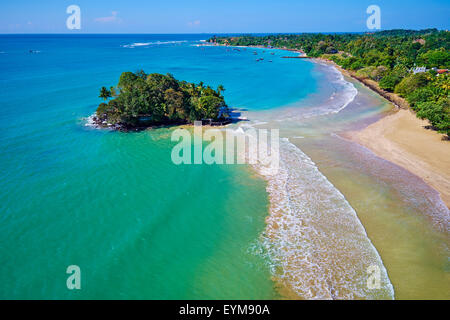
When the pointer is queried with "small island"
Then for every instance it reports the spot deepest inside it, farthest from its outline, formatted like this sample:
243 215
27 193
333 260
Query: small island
143 100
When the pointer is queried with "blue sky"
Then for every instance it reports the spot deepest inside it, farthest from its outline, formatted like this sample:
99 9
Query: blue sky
219 16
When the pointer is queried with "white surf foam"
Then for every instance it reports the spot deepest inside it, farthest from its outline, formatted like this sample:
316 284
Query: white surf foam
344 93
145 44
89 121
318 246
349 92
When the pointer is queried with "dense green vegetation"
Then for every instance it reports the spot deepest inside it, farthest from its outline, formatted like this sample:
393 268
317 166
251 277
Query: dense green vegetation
386 57
149 99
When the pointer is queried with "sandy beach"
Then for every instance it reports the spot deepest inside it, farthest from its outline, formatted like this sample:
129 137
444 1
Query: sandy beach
402 139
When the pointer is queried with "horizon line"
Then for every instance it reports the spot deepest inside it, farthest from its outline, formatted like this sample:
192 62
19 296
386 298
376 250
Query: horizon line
209 33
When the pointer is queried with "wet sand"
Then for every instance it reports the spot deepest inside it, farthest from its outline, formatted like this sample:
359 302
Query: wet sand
401 213
402 139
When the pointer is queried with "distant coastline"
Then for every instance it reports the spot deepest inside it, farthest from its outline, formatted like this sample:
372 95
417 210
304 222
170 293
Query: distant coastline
401 138
372 85
380 138
395 99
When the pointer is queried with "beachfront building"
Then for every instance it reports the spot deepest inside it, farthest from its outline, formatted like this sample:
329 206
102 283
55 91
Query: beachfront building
419 70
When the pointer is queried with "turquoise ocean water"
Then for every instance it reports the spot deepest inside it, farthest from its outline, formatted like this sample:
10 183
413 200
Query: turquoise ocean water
113 203
140 227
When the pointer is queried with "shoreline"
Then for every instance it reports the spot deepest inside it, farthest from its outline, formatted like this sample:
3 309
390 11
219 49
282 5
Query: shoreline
393 98
401 139
95 122
394 137
389 258
404 139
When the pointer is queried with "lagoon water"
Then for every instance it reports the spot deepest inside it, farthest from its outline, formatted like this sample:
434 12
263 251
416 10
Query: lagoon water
141 227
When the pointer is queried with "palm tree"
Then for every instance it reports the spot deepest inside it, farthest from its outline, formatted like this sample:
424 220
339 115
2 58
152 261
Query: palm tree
220 89
200 88
113 91
193 90
104 93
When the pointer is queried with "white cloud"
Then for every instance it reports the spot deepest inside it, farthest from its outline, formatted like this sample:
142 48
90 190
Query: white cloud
112 18
194 23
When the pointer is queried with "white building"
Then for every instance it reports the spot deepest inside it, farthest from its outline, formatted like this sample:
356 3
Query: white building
419 70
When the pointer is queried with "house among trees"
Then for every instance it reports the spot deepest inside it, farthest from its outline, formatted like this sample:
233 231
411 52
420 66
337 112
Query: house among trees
421 41
419 70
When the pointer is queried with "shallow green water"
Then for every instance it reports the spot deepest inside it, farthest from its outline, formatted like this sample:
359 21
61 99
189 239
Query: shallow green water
140 227
112 203
136 224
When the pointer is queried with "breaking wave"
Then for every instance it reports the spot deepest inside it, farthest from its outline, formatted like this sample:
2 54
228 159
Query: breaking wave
343 93
146 44
316 244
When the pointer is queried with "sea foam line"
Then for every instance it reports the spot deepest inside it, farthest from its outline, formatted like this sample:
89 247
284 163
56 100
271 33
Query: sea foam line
317 245
145 44
351 91
347 91
344 94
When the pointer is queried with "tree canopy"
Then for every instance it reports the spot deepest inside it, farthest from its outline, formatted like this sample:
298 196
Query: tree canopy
159 99
387 57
